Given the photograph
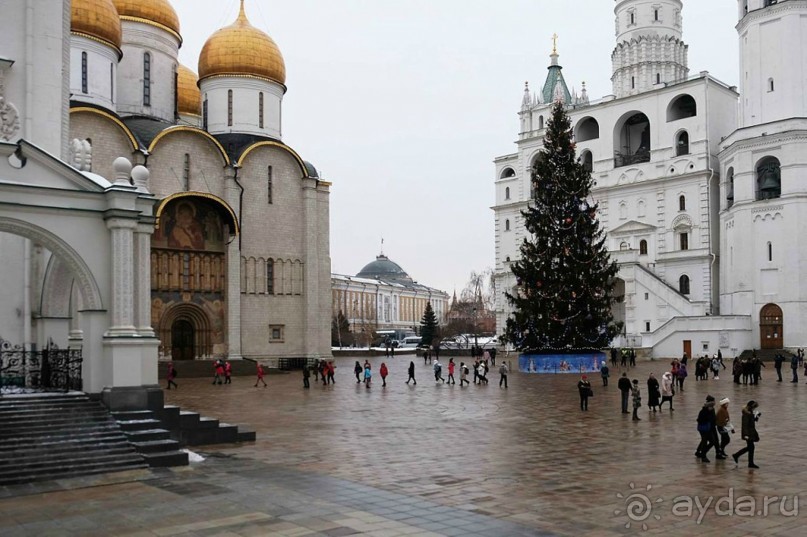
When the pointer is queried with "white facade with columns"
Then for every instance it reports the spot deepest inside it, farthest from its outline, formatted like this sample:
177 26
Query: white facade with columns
686 182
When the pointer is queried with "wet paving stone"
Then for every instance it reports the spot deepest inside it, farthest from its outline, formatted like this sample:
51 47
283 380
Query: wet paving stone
434 459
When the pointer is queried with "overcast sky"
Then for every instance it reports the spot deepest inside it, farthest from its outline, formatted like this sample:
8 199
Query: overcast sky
403 105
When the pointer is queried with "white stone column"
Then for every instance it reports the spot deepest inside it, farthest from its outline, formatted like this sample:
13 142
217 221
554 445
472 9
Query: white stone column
122 281
233 291
311 268
142 279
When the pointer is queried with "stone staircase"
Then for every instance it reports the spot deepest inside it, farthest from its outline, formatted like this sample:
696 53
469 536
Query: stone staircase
152 429
56 436
768 355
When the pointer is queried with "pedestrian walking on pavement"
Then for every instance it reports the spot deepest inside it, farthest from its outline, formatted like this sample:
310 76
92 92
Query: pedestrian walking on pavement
707 420
450 371
368 374
482 372
218 372
624 387
749 433
667 390
605 372
794 365
172 374
228 372
438 372
464 374
724 426
306 376
503 372
637 399
331 368
383 371
777 364
260 375
584 388
652 393
358 369
411 373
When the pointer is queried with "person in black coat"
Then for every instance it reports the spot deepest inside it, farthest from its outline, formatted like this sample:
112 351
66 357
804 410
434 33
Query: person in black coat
624 387
653 394
411 373
707 427
584 387
749 433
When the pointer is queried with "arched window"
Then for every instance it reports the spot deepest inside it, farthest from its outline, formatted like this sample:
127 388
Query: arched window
658 78
770 251
643 247
508 259
507 193
682 203
176 93
683 284
186 173
682 144
507 173
111 81
624 246
587 129
632 140
730 187
229 108
641 210
260 110
623 210
84 75
771 86
204 113
769 179
587 160
507 225
683 240
682 107
632 81
540 122
146 79
270 276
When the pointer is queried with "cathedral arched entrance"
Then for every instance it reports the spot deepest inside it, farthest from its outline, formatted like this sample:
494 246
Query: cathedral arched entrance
182 340
771 324
185 333
189 263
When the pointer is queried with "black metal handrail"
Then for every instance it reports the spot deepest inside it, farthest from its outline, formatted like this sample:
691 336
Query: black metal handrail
50 369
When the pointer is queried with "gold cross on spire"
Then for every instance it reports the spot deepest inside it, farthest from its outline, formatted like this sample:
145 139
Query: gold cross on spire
554 43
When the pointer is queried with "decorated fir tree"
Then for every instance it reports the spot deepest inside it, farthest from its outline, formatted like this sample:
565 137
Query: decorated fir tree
428 325
565 276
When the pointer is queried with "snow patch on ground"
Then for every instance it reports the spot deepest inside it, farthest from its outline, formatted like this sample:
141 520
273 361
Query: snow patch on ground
193 457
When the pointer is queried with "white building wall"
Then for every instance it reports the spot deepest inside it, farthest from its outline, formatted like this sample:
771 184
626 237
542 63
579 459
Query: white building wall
245 106
138 39
102 72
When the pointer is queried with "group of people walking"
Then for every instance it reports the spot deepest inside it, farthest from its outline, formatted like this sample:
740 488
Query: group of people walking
715 430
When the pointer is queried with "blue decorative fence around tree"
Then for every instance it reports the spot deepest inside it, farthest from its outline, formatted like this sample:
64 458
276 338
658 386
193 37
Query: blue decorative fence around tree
584 362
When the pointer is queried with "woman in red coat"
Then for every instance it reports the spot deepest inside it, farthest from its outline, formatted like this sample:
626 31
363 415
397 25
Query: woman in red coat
383 372
260 376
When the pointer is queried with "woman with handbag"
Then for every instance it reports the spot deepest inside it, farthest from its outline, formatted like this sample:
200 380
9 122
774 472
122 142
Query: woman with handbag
749 433
584 387
667 390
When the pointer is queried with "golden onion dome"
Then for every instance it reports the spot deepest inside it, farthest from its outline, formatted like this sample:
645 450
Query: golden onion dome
96 19
242 50
157 13
189 98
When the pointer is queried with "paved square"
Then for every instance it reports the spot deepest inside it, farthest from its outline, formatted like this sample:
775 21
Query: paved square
434 459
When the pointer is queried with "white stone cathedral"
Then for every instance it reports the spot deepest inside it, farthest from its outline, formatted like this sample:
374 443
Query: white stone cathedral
216 244
698 184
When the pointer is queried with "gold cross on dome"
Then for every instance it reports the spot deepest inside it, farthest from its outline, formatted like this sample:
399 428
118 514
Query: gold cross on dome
554 43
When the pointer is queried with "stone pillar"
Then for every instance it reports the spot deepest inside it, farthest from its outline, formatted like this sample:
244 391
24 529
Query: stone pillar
122 281
142 279
233 292
311 276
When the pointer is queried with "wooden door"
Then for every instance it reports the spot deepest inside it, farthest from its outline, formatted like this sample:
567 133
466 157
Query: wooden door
688 348
771 326
182 341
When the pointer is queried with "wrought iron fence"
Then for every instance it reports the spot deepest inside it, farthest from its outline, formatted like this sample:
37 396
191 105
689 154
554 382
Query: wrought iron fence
50 369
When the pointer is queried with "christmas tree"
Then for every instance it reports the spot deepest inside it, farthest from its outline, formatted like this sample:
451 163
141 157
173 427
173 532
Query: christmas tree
428 325
565 276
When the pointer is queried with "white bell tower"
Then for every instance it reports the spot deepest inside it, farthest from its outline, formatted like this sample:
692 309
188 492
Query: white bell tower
649 48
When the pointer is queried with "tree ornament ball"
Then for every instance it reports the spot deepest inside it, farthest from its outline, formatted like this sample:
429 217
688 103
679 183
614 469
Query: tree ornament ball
568 221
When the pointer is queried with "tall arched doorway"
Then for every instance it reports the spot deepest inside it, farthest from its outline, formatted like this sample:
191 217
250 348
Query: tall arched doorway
770 327
182 340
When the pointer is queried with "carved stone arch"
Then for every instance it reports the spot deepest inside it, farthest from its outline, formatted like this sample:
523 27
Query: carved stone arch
90 292
682 221
289 287
57 290
197 317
